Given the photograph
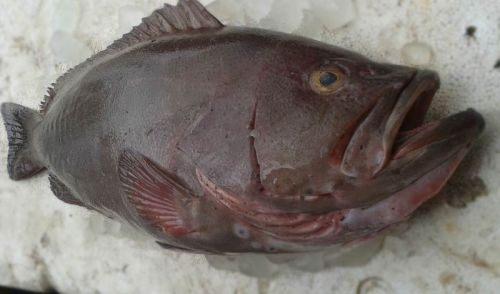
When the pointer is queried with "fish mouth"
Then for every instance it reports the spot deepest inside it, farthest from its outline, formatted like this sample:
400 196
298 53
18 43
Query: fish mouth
423 158
397 131
407 135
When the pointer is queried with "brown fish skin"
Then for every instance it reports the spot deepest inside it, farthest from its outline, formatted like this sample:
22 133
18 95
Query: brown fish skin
223 139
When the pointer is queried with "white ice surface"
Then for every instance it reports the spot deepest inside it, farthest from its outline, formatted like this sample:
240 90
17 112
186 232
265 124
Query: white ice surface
452 246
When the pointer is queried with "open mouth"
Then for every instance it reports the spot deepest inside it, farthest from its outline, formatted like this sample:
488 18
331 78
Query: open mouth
395 128
412 134
406 120
426 155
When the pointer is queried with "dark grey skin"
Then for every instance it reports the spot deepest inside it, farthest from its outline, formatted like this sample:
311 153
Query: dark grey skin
218 139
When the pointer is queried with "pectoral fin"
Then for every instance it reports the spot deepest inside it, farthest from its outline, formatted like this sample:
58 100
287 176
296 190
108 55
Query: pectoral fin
155 193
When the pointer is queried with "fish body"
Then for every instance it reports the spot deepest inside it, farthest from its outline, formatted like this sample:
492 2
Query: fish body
226 139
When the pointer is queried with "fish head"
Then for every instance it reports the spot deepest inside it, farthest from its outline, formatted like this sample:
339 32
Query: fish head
333 122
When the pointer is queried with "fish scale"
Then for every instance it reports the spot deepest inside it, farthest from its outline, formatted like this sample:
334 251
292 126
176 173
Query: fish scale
223 139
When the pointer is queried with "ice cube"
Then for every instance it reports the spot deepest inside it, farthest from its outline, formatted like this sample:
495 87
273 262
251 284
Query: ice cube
311 26
309 262
240 13
228 11
354 255
256 265
128 17
285 15
334 13
67 49
257 9
220 262
417 53
65 15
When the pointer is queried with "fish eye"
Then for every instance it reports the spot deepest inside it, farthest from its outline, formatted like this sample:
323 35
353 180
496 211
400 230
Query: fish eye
326 81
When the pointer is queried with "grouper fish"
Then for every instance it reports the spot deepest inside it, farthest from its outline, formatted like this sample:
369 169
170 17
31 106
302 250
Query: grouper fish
220 139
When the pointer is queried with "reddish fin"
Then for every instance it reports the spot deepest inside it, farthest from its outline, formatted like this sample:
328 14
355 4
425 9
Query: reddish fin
155 194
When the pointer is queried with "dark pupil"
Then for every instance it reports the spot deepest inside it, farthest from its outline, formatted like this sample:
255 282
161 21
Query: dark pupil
327 79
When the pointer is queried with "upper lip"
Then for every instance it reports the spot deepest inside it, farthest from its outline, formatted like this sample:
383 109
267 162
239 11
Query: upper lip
409 112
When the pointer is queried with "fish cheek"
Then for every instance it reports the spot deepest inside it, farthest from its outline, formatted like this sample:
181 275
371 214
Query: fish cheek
293 134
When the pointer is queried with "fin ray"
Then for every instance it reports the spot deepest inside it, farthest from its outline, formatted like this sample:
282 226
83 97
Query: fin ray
19 123
62 192
154 193
187 16
47 100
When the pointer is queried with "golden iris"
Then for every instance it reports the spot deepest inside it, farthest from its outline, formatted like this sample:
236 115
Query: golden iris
326 81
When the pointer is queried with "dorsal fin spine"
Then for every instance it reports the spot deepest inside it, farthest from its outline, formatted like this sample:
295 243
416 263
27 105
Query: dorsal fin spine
187 16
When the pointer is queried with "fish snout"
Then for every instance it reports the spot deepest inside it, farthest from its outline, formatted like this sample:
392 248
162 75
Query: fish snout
477 120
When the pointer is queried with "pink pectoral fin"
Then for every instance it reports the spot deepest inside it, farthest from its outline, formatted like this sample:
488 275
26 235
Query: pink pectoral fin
156 194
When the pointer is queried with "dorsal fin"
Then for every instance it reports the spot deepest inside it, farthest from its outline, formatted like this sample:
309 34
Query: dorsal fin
187 16
47 100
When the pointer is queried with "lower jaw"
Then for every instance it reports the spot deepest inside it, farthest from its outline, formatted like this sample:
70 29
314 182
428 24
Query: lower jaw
403 203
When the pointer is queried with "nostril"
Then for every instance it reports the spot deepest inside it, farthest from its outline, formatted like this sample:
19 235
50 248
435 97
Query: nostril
371 71
383 72
367 72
